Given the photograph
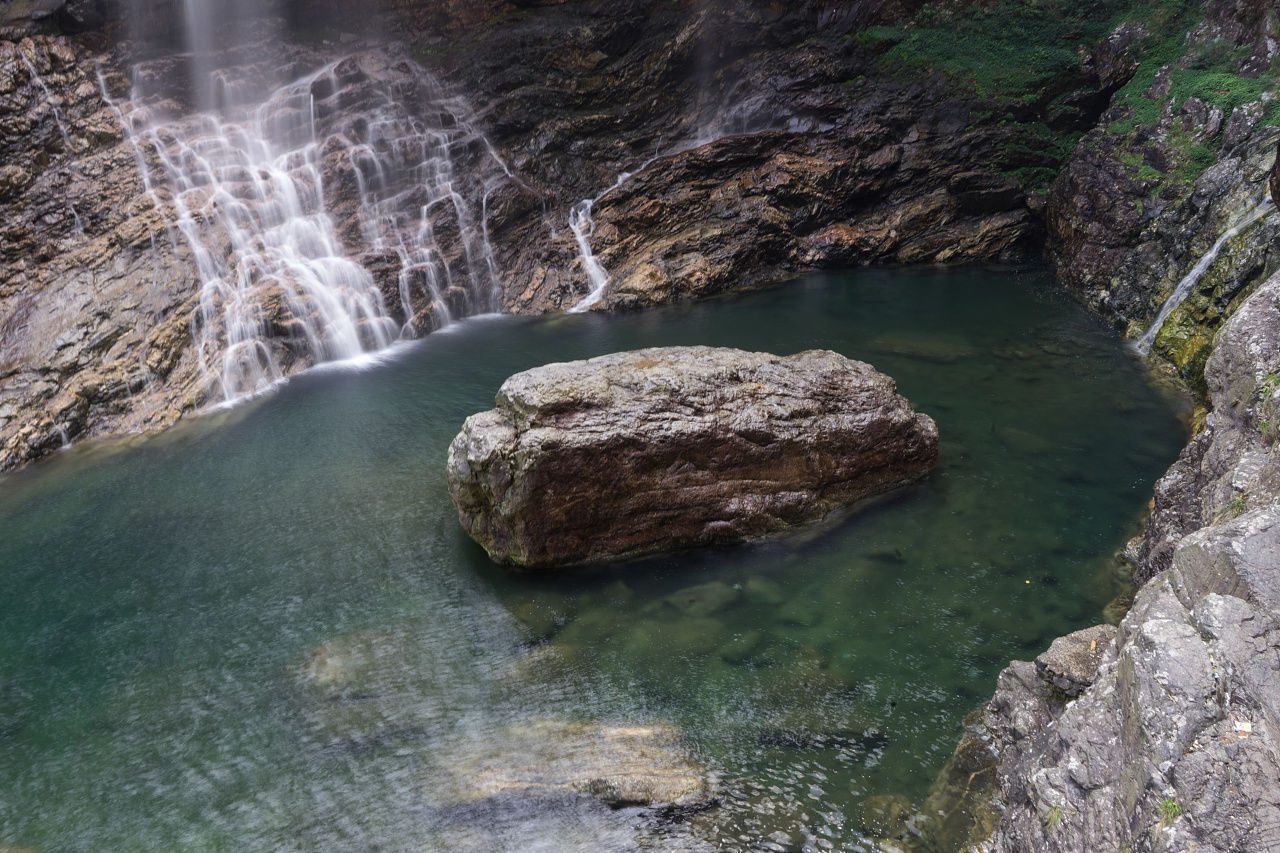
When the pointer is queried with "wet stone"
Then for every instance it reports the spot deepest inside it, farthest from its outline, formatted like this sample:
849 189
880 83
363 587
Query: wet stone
885 815
704 599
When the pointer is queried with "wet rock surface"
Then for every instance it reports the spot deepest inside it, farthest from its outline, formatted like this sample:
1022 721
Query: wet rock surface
725 145
670 448
95 299
620 765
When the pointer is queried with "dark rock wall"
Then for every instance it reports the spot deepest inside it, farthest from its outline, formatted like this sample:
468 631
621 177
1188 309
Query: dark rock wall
774 141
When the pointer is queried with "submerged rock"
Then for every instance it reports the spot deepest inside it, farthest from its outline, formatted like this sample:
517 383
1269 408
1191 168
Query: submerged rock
620 765
670 448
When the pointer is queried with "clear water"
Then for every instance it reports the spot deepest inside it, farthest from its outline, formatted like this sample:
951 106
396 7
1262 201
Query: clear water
163 596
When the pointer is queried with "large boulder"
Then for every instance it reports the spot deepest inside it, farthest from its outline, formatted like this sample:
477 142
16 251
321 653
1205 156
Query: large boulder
669 448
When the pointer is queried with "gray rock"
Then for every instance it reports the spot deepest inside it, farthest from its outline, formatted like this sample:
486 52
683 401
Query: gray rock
1174 744
1071 662
670 448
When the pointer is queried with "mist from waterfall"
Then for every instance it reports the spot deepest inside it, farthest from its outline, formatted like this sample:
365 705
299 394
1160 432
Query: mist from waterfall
718 109
290 195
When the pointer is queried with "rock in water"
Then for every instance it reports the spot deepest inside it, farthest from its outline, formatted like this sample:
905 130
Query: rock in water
669 448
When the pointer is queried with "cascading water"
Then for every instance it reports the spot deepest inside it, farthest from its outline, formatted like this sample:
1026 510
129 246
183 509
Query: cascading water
582 225
310 209
1183 290
48 99
733 117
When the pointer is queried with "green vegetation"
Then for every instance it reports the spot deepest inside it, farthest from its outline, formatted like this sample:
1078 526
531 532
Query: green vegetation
1051 817
1011 51
1207 71
1008 49
1035 155
1234 509
1169 810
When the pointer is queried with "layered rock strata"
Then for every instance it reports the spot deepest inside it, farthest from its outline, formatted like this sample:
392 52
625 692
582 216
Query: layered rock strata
669 448
721 145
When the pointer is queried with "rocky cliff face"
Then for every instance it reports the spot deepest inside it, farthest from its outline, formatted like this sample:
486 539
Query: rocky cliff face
723 145
95 296
1179 157
1173 745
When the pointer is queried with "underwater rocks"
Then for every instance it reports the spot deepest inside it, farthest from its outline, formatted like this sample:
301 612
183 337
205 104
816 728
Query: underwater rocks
668 448
620 765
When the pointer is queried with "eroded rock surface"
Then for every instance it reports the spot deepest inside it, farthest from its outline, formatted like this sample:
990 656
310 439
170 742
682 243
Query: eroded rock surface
621 765
669 448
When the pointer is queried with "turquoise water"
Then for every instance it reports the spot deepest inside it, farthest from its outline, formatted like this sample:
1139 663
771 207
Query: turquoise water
169 601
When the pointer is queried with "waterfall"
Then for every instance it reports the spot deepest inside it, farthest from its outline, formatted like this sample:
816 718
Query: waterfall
1183 290
249 201
48 99
582 225
311 209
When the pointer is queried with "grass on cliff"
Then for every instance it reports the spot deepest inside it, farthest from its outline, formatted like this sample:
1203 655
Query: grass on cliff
1016 53
1007 49
1208 71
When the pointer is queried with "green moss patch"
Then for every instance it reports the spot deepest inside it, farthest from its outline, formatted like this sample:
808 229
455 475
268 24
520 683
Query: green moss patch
1007 49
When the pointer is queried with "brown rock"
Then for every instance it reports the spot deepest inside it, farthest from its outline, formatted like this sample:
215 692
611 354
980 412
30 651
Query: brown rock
671 448
622 765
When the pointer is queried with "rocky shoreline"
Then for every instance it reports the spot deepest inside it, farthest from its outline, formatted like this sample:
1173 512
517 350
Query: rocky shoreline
762 160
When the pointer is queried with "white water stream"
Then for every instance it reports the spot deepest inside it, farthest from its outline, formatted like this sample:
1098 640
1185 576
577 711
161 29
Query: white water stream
285 276
582 226
1183 290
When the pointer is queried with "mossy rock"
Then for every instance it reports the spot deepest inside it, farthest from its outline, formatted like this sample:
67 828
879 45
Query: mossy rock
743 648
543 612
885 815
761 590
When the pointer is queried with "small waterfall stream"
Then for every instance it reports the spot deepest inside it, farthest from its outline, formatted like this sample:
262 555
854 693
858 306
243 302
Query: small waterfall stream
49 99
288 201
1189 281
582 225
